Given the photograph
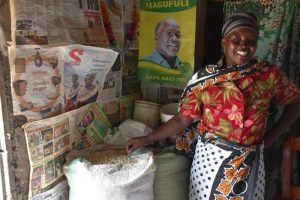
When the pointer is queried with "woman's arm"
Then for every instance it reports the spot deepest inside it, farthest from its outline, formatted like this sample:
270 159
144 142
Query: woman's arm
175 125
289 116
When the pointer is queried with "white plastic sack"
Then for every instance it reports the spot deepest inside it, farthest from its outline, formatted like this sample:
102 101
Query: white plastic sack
172 176
112 181
126 130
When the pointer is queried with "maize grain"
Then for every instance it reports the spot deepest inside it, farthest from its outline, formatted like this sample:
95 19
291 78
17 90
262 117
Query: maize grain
110 156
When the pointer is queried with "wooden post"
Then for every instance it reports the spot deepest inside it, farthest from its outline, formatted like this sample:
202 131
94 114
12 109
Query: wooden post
6 167
7 173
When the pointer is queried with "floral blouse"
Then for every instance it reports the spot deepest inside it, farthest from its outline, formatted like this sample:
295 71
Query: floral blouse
238 110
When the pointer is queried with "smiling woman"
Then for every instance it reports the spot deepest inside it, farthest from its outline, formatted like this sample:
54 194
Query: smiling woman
240 35
224 111
239 46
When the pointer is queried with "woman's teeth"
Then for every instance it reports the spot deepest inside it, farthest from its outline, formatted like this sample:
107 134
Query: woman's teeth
241 53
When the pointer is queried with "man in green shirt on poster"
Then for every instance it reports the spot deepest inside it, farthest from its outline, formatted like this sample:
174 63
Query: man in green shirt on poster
167 42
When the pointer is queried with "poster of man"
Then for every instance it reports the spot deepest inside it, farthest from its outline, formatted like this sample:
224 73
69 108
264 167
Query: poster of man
166 42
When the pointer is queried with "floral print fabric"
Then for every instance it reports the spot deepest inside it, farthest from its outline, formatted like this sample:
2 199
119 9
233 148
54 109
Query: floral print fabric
278 43
223 171
236 109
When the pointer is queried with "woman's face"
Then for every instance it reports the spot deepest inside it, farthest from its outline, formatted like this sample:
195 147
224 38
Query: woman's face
240 46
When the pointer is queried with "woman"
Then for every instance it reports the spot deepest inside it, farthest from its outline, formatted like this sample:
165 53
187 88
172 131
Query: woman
229 104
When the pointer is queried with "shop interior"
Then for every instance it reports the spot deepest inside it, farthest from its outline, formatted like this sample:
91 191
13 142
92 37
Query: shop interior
76 85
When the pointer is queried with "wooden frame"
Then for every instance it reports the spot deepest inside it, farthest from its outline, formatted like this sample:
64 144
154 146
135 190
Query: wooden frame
289 191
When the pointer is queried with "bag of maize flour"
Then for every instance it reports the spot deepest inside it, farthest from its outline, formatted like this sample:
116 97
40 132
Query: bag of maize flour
110 174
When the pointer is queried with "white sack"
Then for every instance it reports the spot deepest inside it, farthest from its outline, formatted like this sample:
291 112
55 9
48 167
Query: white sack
112 181
172 176
126 130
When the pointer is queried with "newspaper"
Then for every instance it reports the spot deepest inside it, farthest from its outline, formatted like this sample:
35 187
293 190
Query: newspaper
111 109
58 192
47 22
112 87
85 70
36 81
131 24
50 139
47 81
90 22
111 93
112 17
93 126
130 82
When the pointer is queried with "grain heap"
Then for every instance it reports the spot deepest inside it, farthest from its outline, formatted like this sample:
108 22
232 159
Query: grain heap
110 156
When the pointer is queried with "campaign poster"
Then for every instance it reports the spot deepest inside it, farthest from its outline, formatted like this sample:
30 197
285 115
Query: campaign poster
167 41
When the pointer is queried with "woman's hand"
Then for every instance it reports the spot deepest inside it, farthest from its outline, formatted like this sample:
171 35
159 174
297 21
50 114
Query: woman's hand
288 117
134 143
175 125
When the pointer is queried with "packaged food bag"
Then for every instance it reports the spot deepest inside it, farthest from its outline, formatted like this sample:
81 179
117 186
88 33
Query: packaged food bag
110 174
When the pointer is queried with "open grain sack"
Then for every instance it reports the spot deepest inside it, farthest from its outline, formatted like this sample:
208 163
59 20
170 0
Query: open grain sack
109 173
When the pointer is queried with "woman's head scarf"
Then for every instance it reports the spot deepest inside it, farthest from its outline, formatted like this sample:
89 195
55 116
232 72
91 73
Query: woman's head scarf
240 20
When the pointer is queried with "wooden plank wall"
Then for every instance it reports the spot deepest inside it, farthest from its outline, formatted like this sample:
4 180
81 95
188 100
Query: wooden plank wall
18 163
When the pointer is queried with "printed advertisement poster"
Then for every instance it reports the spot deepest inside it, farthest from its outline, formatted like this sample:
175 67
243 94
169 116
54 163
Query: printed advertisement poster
167 41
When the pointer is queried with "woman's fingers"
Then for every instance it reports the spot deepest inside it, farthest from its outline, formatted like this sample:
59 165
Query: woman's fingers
130 145
134 143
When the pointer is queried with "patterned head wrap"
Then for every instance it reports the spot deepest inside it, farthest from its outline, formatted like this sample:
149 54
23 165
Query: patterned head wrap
240 20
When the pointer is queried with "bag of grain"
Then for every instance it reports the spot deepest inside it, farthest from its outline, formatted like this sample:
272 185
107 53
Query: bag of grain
109 173
172 175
